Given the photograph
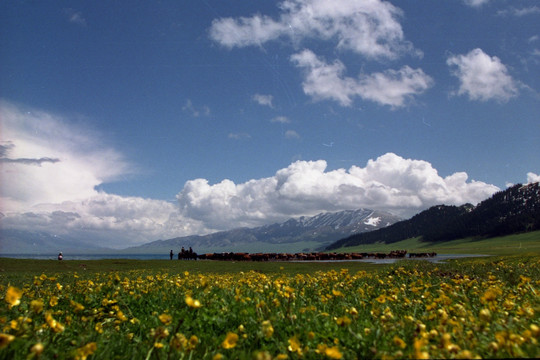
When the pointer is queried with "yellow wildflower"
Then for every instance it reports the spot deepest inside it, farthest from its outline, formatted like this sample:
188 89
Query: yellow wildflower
343 321
37 349
161 332
193 341
267 329
36 306
99 328
399 342
262 355
5 339
83 352
166 319
333 352
230 341
294 345
120 316
218 356
491 294
192 303
485 314
179 342
535 330
53 324
76 306
13 296
53 301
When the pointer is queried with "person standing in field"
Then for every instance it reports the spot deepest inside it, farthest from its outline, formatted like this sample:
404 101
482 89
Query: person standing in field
171 254
60 256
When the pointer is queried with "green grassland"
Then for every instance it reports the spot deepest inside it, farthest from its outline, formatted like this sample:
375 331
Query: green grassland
505 245
484 307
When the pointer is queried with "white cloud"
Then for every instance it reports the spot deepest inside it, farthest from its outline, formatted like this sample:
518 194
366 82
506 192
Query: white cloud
482 77
195 111
239 136
264 100
291 134
325 81
369 28
48 160
281 119
476 3
532 178
531 10
50 169
75 17
390 182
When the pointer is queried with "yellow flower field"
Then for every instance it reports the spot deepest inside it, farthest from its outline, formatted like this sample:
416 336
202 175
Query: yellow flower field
412 310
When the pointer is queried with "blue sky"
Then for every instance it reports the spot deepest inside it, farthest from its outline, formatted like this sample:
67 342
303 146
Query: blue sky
135 122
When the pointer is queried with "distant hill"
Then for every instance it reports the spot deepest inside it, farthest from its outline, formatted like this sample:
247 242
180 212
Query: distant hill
514 210
35 242
302 234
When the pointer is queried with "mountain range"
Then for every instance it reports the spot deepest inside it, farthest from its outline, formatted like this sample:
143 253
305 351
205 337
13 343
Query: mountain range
300 234
514 210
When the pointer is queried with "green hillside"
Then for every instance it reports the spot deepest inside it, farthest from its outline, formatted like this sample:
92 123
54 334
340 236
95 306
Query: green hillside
504 245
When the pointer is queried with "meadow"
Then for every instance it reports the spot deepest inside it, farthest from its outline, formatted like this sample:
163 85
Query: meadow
485 307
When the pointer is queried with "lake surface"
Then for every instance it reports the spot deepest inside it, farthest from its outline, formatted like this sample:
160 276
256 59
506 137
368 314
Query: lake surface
437 258
88 256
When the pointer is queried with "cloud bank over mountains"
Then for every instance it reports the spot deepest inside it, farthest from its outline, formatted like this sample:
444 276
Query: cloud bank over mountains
60 196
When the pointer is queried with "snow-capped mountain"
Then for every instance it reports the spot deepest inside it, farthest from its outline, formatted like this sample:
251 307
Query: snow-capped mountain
300 234
514 210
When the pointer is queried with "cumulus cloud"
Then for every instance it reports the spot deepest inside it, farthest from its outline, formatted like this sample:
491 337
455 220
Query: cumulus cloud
264 100
370 28
482 77
50 168
324 81
106 220
46 159
390 182
532 177
476 3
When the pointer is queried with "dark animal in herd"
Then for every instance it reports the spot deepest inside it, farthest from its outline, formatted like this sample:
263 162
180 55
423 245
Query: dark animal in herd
187 254
313 256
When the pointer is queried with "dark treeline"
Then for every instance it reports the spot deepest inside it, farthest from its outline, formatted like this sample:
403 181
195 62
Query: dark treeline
514 210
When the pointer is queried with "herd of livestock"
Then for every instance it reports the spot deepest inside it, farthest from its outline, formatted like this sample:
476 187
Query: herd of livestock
312 256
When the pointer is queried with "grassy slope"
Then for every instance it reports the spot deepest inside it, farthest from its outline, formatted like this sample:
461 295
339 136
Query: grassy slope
506 245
